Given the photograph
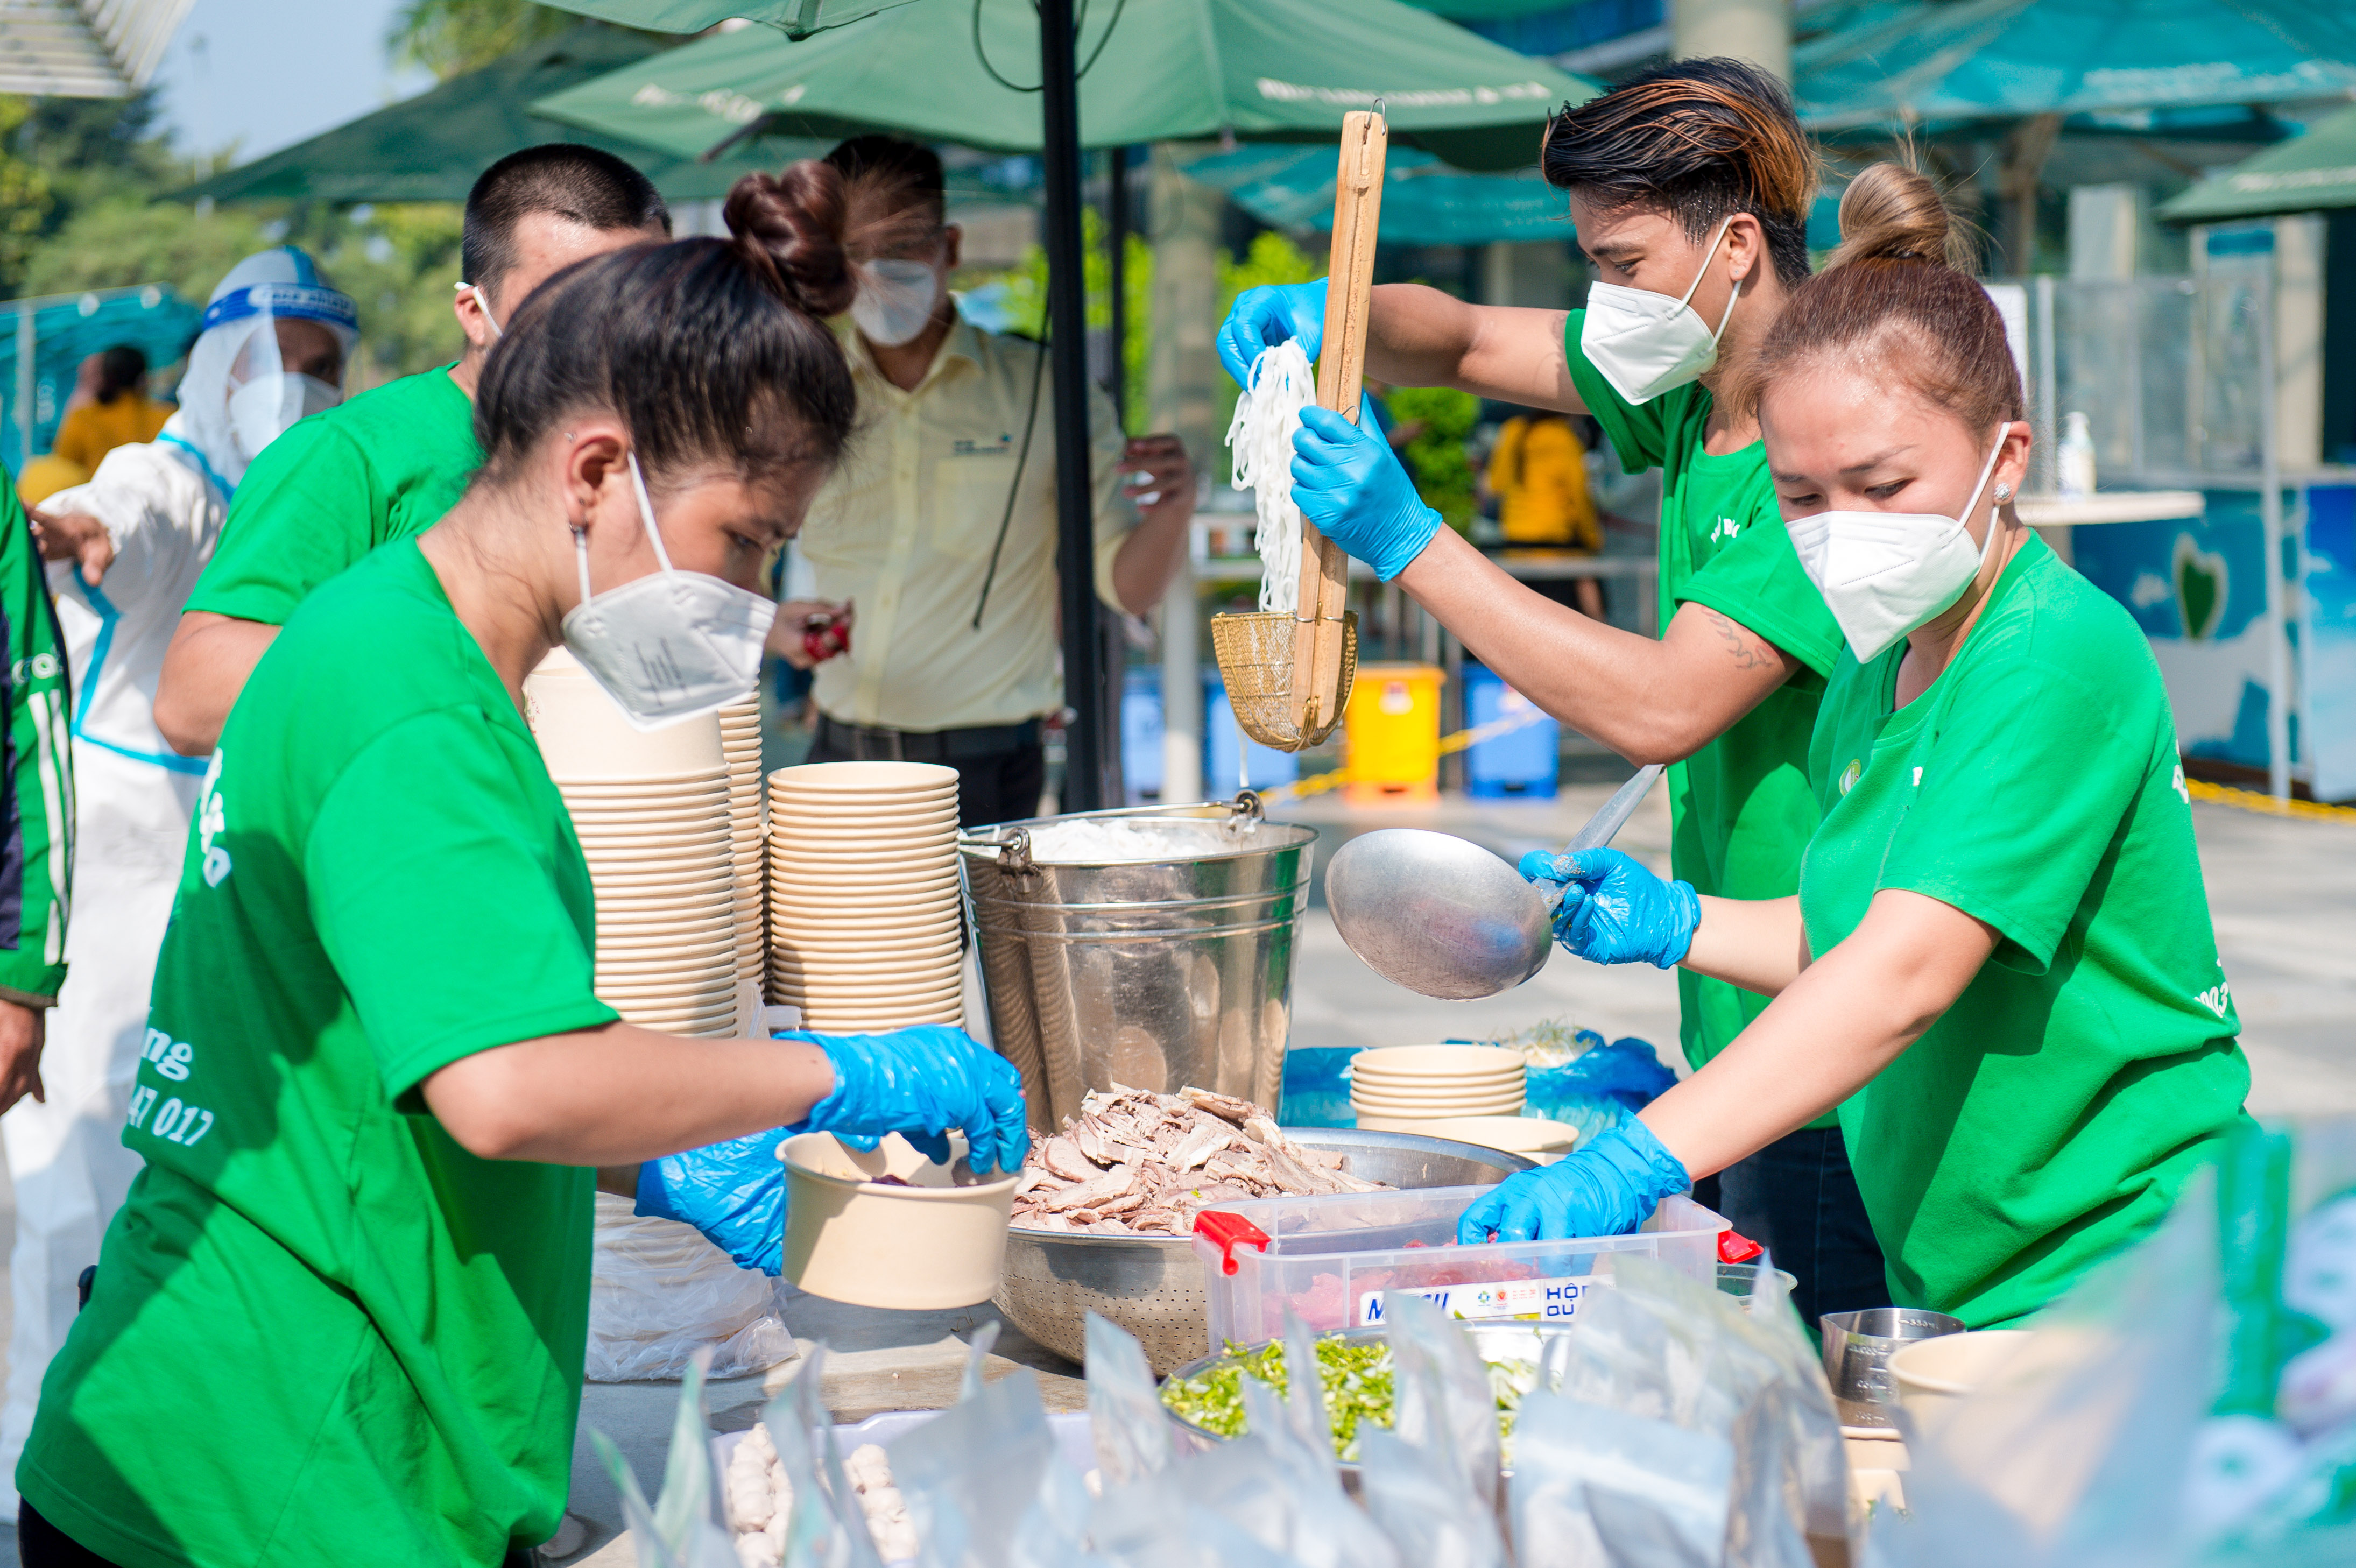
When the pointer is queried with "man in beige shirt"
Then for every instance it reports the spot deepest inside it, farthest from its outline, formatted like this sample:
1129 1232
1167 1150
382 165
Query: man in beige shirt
937 533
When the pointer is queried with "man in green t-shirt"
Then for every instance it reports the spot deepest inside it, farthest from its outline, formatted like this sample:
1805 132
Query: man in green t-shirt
1690 187
387 464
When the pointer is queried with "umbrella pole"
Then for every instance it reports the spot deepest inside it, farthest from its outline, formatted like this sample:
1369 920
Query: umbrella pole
1115 270
1068 348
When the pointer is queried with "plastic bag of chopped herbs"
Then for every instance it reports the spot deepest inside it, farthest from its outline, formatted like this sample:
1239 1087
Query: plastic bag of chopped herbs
1356 1377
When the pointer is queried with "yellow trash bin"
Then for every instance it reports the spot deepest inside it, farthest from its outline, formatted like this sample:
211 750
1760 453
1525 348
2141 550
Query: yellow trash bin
1391 731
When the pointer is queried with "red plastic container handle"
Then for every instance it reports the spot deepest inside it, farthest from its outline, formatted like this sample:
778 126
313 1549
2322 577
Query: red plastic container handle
1226 1231
1732 1248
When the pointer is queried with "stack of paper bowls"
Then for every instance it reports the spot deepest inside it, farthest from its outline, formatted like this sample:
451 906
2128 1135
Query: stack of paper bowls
739 747
863 902
1395 1088
651 810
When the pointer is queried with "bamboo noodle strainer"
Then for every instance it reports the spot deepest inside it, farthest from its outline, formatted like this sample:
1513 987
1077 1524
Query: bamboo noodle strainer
1289 672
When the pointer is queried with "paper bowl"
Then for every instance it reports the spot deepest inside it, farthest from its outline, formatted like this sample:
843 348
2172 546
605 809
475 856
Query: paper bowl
1934 1376
1435 1062
1375 1099
853 968
923 1247
1540 1139
650 787
622 959
857 778
583 735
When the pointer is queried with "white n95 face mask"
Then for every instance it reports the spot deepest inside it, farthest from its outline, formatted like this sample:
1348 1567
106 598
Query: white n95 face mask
670 645
1885 574
268 406
1646 344
894 301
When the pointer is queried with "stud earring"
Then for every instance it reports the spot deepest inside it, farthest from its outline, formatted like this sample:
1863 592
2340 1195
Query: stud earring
2004 492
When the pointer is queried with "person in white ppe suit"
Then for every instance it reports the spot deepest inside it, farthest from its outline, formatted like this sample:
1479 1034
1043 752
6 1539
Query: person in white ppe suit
126 550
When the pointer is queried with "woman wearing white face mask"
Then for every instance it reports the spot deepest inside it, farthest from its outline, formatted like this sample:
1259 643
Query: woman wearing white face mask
1690 186
1999 965
375 1076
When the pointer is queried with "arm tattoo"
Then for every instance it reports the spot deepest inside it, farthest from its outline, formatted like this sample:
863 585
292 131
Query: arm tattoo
1748 654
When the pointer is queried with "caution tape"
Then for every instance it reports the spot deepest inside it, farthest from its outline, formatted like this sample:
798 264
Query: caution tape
1464 739
2251 800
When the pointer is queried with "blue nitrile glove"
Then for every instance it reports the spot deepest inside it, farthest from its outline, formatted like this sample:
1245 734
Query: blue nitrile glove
733 1192
1613 910
1607 1189
924 1083
1265 316
1348 481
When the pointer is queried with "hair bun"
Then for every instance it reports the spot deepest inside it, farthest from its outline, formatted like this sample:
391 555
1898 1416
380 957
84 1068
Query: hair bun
788 228
1891 213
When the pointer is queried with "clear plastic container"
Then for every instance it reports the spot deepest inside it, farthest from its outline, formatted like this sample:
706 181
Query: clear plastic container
1332 1260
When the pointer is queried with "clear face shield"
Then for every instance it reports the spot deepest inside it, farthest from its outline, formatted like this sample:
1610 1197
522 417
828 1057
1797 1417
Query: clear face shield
289 348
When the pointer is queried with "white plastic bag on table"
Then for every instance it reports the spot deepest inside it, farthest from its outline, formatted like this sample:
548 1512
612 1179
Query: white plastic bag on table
2076 1454
659 1293
826 1527
1126 1420
1595 1487
681 1530
1431 1482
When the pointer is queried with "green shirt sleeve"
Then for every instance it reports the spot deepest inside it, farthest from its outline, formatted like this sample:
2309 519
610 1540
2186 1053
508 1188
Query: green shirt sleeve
37 812
2033 770
432 886
1757 581
302 515
1639 433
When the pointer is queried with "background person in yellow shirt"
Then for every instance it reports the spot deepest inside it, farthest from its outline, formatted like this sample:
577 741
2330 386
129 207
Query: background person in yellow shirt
939 525
119 413
1537 471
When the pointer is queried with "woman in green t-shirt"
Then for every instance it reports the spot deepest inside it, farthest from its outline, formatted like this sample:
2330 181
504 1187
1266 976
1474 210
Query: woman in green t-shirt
1999 965
341 1317
1690 186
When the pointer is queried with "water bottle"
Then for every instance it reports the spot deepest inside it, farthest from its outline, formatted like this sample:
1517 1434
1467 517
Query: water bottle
2074 463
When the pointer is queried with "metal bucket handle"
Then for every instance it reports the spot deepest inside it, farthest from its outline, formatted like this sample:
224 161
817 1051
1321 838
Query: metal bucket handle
1014 850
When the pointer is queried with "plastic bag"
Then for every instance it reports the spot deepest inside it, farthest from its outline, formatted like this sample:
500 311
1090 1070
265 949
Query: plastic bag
825 1527
659 1293
1600 1088
1424 1507
1445 1405
1126 1420
681 1530
1596 1488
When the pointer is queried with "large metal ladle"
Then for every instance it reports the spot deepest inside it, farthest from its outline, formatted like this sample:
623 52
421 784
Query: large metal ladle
1444 917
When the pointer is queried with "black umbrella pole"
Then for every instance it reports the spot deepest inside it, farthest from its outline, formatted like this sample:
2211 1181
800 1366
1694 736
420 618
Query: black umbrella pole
1067 340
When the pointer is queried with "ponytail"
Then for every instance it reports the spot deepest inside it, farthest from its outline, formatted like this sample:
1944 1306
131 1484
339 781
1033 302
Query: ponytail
1897 301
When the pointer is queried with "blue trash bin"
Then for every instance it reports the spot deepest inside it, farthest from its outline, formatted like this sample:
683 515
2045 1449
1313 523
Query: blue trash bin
1140 734
1269 767
1520 764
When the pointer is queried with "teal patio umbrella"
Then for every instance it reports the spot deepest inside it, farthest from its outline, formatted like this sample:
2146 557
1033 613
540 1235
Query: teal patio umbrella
1151 71
2306 174
1425 201
1898 66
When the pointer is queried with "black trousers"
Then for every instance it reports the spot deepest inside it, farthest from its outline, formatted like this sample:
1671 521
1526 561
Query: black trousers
1798 1198
41 1544
1002 786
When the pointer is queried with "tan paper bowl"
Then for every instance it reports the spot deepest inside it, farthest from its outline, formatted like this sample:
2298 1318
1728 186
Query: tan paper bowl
583 735
708 784
1434 1060
877 887
789 822
1532 1135
676 1022
915 975
857 778
1934 1376
698 839
621 957
852 851
1439 1104
829 916
923 1247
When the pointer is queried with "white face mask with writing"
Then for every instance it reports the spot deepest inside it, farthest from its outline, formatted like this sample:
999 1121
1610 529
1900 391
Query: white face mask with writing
894 301
670 645
1885 574
1646 344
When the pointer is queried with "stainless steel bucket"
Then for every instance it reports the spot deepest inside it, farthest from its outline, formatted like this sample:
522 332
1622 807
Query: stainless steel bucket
1155 974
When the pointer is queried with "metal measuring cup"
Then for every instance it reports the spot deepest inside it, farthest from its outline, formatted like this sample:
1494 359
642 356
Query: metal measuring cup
1857 1347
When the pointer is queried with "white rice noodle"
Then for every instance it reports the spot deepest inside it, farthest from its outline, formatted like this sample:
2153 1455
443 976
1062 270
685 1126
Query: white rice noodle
1282 383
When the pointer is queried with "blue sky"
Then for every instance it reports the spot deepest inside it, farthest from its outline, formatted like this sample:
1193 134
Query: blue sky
263 73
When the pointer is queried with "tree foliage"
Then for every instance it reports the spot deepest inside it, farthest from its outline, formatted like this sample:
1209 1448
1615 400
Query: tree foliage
451 37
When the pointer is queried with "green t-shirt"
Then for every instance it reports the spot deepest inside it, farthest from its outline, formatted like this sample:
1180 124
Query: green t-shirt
1739 810
2048 1117
322 1331
384 466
